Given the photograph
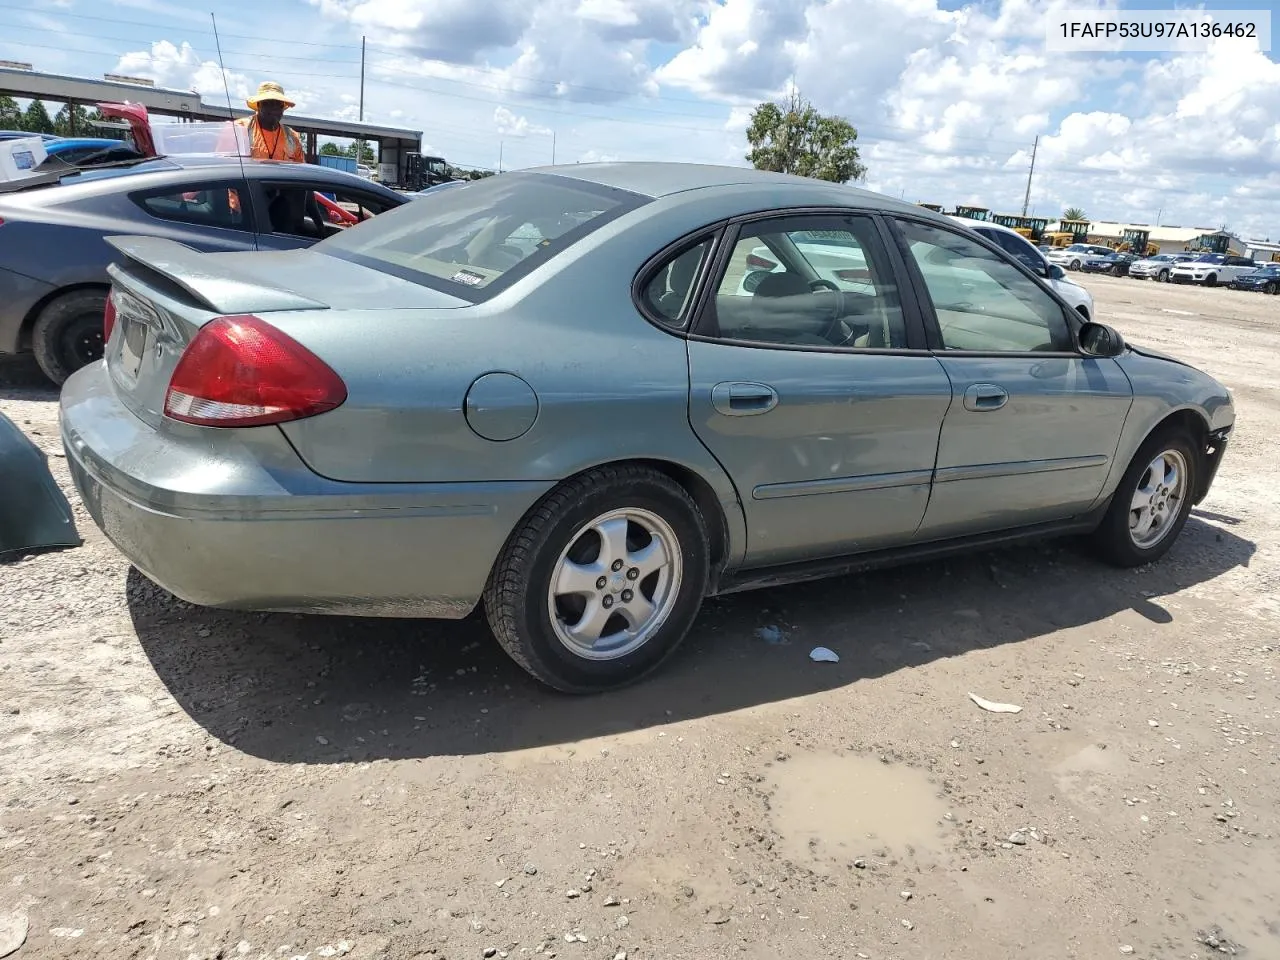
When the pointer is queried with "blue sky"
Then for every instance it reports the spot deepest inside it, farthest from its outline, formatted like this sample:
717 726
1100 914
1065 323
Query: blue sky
948 96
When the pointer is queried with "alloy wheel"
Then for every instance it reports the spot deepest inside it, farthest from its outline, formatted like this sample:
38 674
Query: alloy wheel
615 585
1158 499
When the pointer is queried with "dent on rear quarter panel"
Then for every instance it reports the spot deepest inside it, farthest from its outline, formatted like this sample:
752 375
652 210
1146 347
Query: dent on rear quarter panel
1160 388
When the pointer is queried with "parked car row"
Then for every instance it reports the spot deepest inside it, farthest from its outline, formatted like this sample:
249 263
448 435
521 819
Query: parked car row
1207 269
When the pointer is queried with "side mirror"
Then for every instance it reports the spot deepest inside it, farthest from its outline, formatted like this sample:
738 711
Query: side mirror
1056 272
1099 340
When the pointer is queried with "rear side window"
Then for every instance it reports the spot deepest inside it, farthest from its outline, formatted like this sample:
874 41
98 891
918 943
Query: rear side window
475 239
205 207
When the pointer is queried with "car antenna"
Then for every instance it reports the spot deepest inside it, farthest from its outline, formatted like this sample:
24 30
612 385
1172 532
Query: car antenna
231 117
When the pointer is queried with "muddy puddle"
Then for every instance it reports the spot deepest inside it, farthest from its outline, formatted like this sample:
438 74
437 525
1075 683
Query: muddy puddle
845 806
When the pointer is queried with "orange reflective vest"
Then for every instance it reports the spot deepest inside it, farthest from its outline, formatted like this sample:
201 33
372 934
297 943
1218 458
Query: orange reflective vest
279 144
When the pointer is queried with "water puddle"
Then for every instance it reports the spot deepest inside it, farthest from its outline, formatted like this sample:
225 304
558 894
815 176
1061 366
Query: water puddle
846 806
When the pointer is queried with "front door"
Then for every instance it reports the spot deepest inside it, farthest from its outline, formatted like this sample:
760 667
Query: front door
1033 424
813 390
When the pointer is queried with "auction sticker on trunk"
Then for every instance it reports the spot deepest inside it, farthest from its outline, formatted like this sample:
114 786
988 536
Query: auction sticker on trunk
467 277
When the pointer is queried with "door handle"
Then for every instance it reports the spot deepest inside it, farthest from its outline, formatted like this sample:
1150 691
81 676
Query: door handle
981 397
743 399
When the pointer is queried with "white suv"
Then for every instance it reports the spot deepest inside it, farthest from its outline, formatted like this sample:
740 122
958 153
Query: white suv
1074 256
1212 269
1022 249
1158 267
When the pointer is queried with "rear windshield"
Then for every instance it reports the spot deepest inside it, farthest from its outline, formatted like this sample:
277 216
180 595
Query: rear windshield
478 238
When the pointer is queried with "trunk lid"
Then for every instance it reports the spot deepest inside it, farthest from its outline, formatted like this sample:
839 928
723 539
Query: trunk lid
164 292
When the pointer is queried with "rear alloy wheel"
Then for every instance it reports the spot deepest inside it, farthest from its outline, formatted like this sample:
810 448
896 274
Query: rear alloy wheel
1075 264
1163 276
68 333
1152 502
601 581
1271 288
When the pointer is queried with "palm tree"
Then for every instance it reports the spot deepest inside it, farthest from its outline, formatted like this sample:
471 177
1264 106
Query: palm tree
1073 213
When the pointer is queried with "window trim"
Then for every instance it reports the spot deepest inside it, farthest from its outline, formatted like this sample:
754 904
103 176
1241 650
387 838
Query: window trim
263 217
714 233
934 332
249 224
915 328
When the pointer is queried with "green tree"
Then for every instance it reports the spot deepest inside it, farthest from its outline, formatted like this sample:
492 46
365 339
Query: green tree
64 126
1073 213
366 156
10 114
331 150
793 137
36 119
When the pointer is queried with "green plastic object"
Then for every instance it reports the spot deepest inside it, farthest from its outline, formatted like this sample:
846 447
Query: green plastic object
34 515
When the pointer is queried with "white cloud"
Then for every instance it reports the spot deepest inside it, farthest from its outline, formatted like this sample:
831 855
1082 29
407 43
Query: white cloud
947 101
509 124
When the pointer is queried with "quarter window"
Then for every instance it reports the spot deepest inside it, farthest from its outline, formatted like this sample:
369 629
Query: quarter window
208 207
668 292
817 281
983 302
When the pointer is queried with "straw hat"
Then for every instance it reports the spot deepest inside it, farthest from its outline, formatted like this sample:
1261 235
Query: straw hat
269 90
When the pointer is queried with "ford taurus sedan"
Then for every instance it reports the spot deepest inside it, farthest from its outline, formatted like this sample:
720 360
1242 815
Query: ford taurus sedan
550 395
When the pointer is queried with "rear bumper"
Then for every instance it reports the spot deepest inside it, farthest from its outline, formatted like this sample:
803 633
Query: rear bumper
233 519
18 296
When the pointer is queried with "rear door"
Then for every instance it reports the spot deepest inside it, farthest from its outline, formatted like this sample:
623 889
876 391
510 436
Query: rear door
823 405
1034 424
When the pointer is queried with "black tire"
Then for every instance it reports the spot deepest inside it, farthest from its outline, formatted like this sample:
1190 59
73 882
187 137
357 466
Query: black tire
1211 280
68 333
517 601
1271 288
1113 540
1075 265
1163 276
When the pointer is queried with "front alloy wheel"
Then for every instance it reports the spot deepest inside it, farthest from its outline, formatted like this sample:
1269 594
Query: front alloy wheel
1152 501
1157 499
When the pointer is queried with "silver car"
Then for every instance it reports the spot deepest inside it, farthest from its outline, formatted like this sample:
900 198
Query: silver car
1158 267
549 394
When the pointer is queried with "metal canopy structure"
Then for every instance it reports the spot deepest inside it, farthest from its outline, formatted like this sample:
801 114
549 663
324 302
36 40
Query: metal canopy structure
394 143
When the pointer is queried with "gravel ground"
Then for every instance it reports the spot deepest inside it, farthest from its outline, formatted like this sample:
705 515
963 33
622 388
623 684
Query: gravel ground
187 783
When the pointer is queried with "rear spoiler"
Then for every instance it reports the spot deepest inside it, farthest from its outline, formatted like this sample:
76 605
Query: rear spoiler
216 286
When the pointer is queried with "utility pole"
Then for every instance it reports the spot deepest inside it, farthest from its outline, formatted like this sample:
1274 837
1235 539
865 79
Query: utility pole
1026 199
501 144
360 142
553 148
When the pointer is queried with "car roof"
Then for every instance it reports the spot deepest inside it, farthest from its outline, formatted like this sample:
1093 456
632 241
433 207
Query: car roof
657 179
160 171
985 224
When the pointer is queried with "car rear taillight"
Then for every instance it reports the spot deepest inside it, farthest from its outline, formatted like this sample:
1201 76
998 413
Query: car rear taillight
242 372
759 263
108 317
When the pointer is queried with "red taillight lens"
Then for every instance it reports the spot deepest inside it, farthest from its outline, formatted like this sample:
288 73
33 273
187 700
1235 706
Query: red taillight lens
759 263
108 317
243 372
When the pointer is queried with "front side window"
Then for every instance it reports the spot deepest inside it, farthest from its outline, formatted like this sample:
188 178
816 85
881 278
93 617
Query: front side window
468 241
818 281
314 211
983 302
204 207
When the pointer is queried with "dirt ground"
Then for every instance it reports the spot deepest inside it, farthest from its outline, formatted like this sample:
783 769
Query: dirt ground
186 783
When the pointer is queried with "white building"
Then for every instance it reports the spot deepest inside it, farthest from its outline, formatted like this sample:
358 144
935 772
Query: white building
1261 250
